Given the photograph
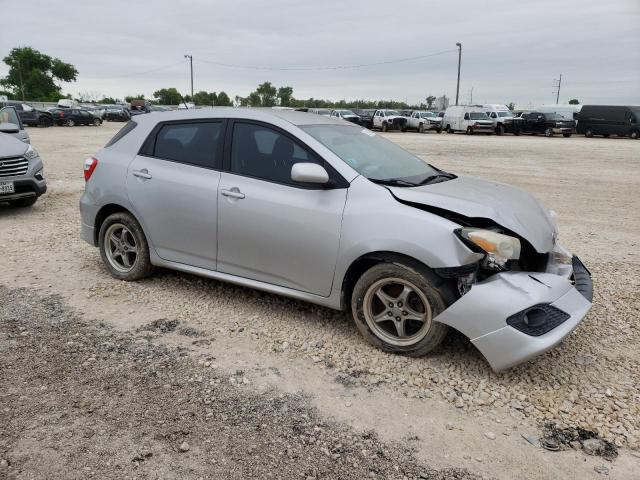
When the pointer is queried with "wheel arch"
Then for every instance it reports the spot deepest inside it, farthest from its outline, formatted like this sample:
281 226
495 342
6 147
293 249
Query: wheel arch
368 260
110 209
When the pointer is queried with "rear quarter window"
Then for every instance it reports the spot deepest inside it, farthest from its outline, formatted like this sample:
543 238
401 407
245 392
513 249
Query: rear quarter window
121 133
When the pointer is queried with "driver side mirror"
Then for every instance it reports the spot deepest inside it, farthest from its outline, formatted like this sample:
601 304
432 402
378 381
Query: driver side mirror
9 128
306 172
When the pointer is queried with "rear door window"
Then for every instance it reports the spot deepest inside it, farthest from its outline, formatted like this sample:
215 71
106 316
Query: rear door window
194 143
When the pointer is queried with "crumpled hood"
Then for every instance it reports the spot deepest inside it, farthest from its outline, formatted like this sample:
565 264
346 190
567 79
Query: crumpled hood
509 207
10 146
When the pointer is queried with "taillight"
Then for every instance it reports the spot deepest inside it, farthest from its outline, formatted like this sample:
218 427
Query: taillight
90 165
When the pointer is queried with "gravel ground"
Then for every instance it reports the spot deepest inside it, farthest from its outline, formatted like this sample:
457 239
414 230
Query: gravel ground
590 382
104 404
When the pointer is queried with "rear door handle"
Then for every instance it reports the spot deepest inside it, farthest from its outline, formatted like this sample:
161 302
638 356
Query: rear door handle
232 193
144 173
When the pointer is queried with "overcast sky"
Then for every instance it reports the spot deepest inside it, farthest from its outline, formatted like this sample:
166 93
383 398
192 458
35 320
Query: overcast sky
512 51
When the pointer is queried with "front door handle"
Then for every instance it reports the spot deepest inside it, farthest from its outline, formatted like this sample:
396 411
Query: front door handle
232 193
144 173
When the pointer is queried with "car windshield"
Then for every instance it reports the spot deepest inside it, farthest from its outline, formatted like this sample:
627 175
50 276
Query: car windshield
391 112
554 116
428 115
323 111
478 116
346 112
9 115
505 114
371 155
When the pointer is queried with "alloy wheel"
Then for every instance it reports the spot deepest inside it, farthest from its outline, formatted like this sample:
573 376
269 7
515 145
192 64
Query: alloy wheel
120 247
397 311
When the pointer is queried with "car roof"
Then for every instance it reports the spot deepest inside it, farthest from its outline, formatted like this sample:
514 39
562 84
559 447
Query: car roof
265 114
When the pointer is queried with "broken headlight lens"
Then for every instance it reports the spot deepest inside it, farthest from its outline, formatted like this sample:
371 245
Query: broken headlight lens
499 247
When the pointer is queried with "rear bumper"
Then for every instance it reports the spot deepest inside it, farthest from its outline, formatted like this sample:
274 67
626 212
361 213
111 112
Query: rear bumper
88 213
482 313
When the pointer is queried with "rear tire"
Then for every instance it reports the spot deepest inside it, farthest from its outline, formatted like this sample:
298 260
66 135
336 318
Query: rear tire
548 132
24 202
635 134
421 128
566 135
588 133
384 127
69 123
500 130
448 129
45 122
97 122
131 234
406 327
469 131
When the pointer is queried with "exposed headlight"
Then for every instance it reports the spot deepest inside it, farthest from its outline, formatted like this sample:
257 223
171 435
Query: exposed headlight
498 246
31 153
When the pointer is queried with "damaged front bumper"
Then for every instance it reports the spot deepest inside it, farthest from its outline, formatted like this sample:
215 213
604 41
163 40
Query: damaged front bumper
512 317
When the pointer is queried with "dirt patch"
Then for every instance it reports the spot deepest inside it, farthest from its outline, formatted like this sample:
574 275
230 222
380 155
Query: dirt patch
556 437
78 400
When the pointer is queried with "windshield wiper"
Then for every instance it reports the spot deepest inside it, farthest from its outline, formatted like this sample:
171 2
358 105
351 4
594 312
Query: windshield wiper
394 182
433 178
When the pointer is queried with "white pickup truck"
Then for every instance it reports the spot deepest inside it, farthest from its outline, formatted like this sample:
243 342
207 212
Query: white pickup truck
423 120
389 120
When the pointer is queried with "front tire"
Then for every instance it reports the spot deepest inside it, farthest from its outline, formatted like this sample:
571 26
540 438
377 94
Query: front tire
548 132
421 128
124 248
384 127
393 307
69 123
500 130
566 135
469 131
97 122
45 122
588 133
635 134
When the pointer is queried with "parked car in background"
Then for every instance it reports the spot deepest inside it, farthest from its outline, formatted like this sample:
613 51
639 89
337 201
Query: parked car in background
466 118
605 120
11 124
96 111
547 124
347 115
421 121
116 113
504 120
366 116
325 112
21 171
567 112
139 107
405 113
70 117
385 119
408 249
158 108
30 115
67 103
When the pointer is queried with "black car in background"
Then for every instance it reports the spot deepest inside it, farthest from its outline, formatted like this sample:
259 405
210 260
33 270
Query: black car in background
366 116
74 116
546 123
29 115
605 120
117 114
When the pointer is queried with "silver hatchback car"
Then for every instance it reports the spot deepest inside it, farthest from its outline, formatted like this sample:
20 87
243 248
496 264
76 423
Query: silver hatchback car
325 211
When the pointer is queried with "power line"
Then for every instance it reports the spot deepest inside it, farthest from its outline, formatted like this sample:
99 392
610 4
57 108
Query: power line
326 67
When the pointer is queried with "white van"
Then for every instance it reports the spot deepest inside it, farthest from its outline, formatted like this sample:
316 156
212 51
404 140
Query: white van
568 112
467 118
500 115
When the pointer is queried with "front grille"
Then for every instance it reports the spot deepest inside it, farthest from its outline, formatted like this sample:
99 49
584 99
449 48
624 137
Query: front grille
13 166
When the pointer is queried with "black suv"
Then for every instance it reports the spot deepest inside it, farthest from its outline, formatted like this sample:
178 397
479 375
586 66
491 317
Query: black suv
546 123
74 116
29 115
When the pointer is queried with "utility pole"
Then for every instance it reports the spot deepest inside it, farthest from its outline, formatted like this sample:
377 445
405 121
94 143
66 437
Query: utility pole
190 57
459 45
471 96
557 85
21 81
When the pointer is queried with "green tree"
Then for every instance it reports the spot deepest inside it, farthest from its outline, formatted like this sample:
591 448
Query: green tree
205 98
168 96
267 94
33 75
430 100
574 101
285 94
108 101
223 100
511 106
134 97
